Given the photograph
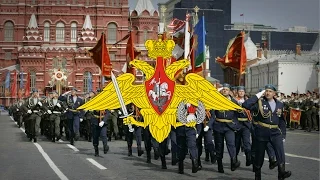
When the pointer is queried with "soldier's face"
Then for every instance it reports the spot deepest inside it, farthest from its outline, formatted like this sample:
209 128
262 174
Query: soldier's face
241 93
51 96
73 92
269 94
35 94
225 91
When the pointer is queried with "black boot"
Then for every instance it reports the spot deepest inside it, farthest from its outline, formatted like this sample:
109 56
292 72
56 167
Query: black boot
199 164
195 166
58 138
272 163
71 141
174 159
156 153
248 159
140 151
181 169
148 157
207 156
234 164
129 151
220 166
213 157
96 151
163 162
257 174
282 173
35 139
89 138
105 148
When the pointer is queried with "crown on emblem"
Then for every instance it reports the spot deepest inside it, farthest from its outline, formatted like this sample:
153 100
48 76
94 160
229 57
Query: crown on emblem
159 48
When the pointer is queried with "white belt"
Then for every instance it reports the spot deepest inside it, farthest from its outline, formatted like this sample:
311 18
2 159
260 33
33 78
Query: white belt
56 112
35 111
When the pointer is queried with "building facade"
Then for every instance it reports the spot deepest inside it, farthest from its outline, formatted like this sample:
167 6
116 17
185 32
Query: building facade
47 36
289 72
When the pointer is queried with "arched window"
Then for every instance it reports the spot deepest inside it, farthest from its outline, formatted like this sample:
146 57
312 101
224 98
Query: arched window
60 32
145 35
73 32
112 33
46 32
74 1
87 81
8 31
33 80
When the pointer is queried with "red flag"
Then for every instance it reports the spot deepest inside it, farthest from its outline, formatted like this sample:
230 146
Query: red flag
235 56
131 53
95 83
14 85
100 56
27 86
295 115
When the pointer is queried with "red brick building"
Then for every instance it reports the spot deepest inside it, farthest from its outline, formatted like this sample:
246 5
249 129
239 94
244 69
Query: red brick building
45 36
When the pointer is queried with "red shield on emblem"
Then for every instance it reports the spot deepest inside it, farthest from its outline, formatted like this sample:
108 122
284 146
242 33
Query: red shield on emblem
159 88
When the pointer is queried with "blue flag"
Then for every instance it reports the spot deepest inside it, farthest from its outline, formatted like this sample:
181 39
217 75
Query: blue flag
7 81
21 80
200 34
89 82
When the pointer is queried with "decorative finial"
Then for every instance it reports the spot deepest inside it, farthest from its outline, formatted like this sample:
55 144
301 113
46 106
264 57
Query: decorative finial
196 10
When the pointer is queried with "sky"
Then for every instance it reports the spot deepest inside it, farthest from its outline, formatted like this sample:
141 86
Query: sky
281 14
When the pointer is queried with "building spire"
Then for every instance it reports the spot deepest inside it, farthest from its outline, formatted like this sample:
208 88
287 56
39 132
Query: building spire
87 23
143 5
33 22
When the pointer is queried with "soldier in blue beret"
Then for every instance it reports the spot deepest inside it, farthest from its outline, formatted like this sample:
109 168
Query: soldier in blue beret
271 127
224 125
243 135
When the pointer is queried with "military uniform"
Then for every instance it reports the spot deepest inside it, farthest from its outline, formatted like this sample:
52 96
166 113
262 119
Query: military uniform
57 108
74 116
204 131
271 128
243 135
224 127
99 129
34 108
137 131
18 112
186 140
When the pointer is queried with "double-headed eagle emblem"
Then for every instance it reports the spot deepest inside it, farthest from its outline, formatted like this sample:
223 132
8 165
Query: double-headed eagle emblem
159 97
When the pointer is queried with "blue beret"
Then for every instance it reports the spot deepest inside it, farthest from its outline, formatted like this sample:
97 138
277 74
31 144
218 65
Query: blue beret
261 89
270 86
34 90
241 88
74 89
226 85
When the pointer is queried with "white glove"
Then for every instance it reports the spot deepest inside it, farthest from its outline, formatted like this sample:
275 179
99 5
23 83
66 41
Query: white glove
29 111
259 94
283 140
101 123
17 109
119 112
40 104
49 111
112 110
219 89
197 136
66 93
81 119
206 129
58 105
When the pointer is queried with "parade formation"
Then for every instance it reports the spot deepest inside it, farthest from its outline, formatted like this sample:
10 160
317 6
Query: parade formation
175 109
167 111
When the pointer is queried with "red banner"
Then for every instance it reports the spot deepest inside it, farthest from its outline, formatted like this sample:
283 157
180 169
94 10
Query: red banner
27 86
100 56
131 53
235 56
295 115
